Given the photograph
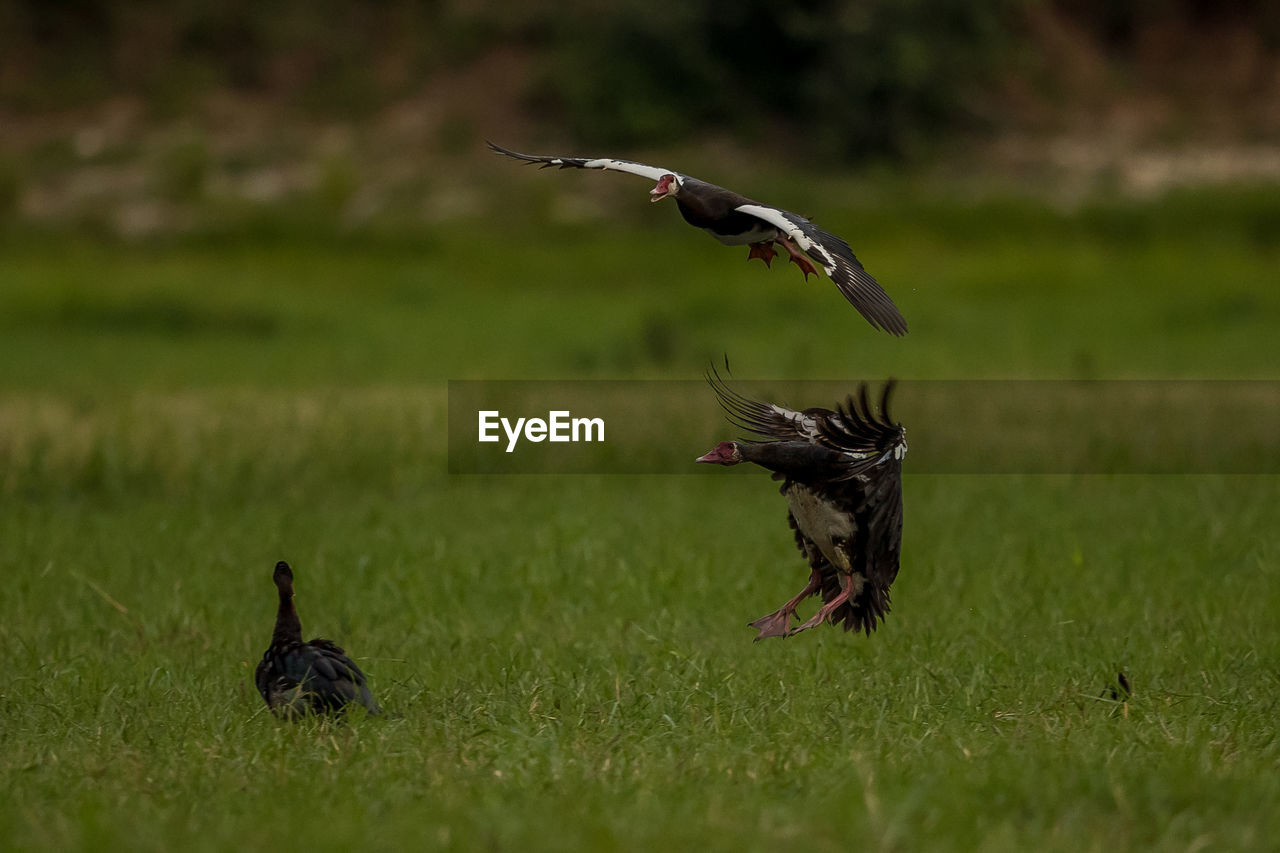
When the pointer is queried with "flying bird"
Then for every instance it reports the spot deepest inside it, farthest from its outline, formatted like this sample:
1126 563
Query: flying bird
297 678
736 220
841 474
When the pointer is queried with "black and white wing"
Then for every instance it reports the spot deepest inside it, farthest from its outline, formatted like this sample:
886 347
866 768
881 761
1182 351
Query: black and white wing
873 496
653 173
882 505
835 256
856 429
880 515
768 420
862 431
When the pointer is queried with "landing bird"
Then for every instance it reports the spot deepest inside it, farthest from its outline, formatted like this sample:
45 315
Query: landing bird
297 678
736 220
841 474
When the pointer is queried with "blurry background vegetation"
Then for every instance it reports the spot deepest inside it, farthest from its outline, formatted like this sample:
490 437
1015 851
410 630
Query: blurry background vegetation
139 117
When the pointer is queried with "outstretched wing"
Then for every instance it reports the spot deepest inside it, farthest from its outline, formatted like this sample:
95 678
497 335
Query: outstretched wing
873 496
882 510
855 428
653 173
863 431
768 420
835 256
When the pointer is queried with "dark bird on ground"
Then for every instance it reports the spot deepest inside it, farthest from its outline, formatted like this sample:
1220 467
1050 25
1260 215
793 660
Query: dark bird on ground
736 220
841 474
1119 690
297 678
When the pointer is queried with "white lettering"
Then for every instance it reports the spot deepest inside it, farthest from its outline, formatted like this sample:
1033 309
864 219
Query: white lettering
487 423
513 435
560 426
587 424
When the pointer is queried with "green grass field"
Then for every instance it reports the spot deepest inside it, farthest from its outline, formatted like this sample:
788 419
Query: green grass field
566 657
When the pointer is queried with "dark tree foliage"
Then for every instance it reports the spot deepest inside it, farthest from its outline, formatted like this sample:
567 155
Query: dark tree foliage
876 77
330 56
850 78
1116 24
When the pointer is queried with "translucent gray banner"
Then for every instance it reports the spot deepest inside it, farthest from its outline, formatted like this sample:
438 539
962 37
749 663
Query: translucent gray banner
953 426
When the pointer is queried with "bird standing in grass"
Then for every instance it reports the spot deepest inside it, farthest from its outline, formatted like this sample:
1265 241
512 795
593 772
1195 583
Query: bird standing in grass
841 474
736 220
297 678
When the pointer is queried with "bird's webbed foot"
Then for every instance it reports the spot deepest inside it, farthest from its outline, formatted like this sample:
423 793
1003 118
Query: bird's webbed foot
778 623
825 611
763 251
798 258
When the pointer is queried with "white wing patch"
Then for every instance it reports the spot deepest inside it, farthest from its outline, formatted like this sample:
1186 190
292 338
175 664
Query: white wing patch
795 231
653 173
839 262
805 425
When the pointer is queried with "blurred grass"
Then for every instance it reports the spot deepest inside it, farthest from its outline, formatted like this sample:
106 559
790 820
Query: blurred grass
996 289
569 654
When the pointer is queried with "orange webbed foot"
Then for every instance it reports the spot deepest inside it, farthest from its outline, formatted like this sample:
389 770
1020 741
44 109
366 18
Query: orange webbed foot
763 251
805 266
798 258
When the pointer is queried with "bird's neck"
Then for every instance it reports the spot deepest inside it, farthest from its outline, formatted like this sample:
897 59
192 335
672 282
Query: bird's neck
288 625
798 460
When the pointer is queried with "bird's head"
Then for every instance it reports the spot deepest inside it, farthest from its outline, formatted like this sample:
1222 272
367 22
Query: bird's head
724 453
283 576
668 185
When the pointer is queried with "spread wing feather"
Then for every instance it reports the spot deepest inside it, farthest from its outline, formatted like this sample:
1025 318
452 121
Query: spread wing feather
883 502
865 438
764 419
841 265
631 167
860 429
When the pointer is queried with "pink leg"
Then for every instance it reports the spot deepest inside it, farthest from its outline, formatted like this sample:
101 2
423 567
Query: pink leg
763 251
777 623
797 257
825 611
